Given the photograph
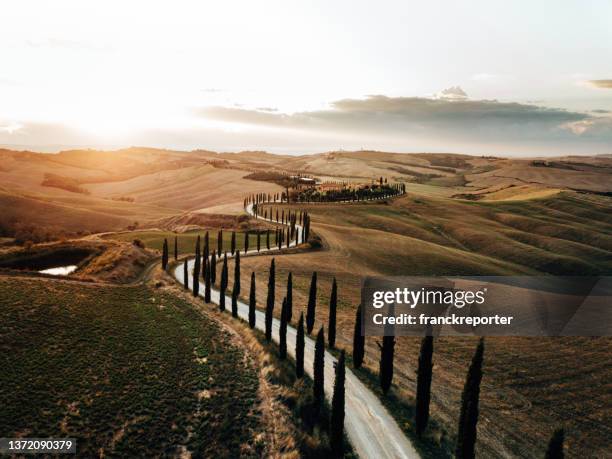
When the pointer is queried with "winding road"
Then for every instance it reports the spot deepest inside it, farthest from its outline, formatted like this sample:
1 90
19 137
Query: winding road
372 431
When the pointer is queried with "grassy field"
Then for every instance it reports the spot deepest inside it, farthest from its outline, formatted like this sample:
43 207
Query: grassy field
186 241
127 371
531 386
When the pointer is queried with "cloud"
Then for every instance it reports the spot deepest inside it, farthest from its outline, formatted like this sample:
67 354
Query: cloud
452 93
602 84
429 121
383 112
601 111
592 127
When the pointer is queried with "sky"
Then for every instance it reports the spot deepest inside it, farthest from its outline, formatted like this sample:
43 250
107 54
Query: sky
477 77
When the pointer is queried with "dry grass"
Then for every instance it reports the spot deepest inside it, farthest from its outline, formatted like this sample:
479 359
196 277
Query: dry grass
119 263
134 185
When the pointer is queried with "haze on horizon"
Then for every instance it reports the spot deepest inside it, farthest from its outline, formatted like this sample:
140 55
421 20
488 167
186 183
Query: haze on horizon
484 77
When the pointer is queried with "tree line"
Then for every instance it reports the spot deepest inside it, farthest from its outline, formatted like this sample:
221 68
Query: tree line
351 194
379 190
469 411
297 223
282 238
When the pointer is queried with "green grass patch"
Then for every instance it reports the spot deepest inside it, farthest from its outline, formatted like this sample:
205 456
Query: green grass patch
128 371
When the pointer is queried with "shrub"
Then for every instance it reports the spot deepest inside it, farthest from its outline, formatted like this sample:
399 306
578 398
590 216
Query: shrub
138 243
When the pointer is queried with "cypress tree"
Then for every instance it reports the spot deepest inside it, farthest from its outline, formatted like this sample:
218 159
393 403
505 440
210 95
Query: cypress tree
198 260
333 300
466 435
312 304
252 302
289 297
207 281
270 301
304 228
220 242
282 333
386 362
336 431
233 244
319 368
555 445
423 395
223 283
165 255
234 304
299 348
236 288
237 274
175 248
246 242
196 280
387 351
213 267
206 246
358 341
186 275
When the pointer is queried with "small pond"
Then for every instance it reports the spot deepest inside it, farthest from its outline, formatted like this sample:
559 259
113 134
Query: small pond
59 270
58 261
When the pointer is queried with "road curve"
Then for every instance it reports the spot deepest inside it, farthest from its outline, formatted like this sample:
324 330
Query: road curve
372 431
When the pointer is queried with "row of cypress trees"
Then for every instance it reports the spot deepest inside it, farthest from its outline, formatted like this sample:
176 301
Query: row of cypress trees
290 219
261 198
337 412
351 194
220 245
468 419
466 435
386 190
219 250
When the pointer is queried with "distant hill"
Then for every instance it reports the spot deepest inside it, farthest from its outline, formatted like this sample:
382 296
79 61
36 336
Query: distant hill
87 190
